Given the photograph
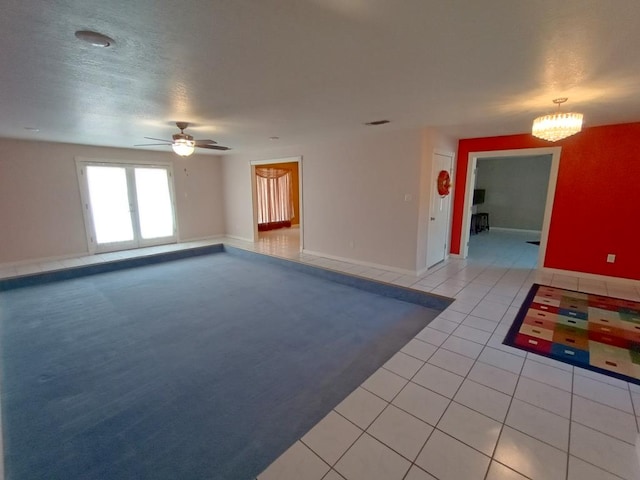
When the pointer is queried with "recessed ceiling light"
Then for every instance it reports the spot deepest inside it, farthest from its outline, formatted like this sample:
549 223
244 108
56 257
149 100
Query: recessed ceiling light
94 38
32 129
376 122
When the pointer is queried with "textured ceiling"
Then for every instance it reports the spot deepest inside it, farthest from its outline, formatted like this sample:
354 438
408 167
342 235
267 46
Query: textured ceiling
245 70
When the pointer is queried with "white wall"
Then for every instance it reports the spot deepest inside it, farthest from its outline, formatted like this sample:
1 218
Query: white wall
353 206
354 194
40 208
516 190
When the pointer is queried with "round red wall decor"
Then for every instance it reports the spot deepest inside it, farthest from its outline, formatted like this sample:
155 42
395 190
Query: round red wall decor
444 183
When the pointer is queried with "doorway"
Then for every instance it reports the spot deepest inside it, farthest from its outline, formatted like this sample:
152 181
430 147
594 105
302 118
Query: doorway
277 203
126 206
440 209
470 208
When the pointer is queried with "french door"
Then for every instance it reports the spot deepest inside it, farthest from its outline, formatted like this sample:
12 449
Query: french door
127 206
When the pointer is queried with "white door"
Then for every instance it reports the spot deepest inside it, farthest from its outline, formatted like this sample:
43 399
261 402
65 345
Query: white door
127 206
438 225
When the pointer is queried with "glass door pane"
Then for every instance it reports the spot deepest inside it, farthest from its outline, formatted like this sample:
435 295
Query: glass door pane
155 211
110 207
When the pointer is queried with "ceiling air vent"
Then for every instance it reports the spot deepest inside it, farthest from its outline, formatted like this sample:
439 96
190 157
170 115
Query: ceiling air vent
377 122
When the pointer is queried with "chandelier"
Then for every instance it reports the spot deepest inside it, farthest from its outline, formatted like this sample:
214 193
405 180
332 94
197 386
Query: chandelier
558 125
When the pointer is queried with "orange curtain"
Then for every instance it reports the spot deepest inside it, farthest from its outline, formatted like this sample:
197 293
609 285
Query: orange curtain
273 187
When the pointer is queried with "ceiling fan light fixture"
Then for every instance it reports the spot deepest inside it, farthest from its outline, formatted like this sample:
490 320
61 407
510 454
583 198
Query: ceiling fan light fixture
183 147
184 144
556 126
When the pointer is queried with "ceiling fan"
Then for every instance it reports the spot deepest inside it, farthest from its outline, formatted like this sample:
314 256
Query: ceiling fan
183 143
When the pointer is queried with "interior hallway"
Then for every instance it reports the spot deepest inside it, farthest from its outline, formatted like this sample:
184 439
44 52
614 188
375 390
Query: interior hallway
455 403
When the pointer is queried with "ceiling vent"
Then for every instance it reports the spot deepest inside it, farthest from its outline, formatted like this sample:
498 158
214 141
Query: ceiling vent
96 39
377 122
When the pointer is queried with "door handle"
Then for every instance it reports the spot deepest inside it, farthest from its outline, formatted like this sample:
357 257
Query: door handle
433 218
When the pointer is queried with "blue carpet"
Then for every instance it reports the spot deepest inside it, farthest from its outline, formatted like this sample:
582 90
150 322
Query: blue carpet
200 368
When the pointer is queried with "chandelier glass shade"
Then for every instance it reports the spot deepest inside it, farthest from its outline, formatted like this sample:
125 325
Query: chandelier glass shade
183 147
557 126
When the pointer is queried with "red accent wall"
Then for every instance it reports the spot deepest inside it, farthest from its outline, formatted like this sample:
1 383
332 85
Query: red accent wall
596 210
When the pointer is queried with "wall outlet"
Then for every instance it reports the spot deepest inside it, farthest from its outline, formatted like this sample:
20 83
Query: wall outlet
611 258
352 244
408 197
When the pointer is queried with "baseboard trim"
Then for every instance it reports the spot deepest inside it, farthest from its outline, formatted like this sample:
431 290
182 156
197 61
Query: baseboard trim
592 276
237 237
422 271
517 230
401 271
201 239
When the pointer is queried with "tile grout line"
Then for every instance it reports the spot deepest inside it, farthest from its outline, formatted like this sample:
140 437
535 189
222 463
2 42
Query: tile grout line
535 406
599 467
495 447
570 422
412 462
452 400
635 414
424 362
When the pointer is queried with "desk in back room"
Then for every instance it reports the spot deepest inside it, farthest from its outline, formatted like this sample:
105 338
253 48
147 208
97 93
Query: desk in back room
479 222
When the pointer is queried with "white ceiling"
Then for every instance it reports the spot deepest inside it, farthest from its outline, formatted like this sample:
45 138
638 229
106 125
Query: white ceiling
245 70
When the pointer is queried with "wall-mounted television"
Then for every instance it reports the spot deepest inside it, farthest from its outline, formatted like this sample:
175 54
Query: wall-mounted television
478 196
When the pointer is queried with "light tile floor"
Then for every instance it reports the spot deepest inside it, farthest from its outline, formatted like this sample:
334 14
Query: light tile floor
454 403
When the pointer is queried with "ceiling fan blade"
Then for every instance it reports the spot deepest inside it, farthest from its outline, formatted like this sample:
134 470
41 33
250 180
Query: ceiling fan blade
159 139
213 147
151 144
205 142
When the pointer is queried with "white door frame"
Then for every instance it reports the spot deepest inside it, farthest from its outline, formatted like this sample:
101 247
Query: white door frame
92 247
254 197
551 192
